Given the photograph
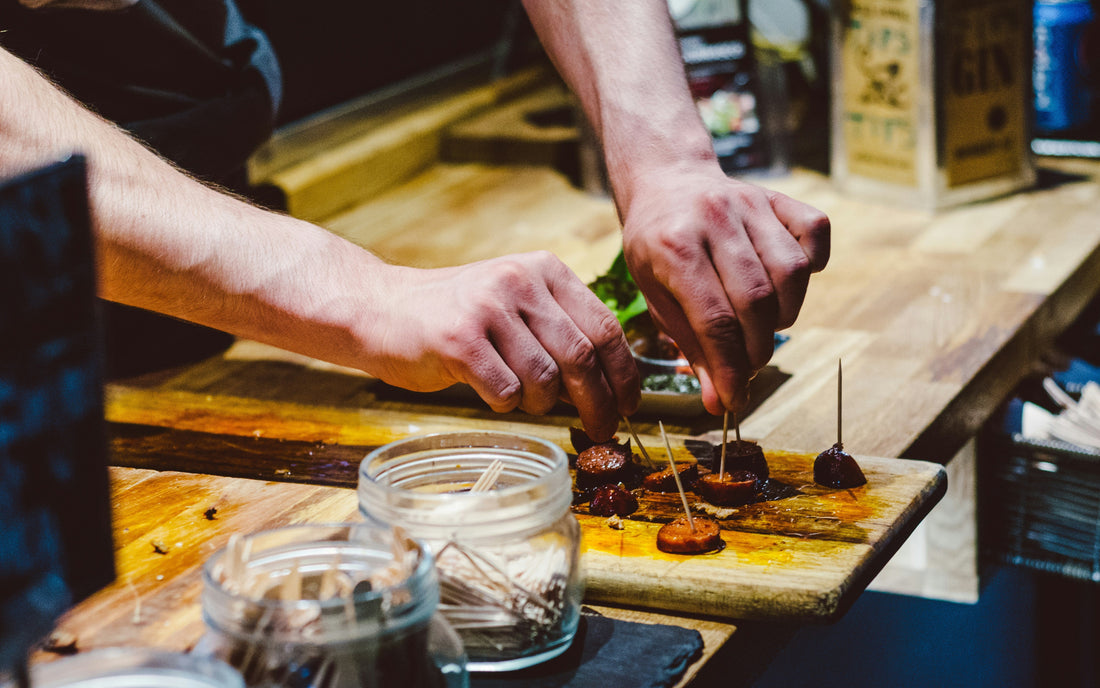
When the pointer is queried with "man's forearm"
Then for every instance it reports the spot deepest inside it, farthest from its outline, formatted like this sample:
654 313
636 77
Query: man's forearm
168 243
622 61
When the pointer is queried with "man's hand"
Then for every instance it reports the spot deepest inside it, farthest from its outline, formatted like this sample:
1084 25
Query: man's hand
522 330
723 265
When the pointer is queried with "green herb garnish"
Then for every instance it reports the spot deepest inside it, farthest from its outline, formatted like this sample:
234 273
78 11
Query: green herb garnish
618 291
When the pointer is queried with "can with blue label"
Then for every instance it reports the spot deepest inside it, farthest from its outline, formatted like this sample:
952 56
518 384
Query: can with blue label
1060 70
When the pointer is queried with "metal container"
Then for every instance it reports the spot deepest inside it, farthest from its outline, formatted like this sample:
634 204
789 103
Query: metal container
507 554
931 100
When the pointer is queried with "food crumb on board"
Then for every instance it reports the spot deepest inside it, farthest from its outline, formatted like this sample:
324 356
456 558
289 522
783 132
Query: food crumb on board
159 547
615 522
61 643
210 513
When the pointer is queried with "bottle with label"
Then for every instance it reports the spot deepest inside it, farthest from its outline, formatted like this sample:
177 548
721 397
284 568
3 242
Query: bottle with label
932 99
722 75
1063 92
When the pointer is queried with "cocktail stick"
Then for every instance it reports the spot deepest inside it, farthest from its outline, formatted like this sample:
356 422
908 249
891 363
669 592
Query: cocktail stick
839 399
725 435
638 442
488 479
676 477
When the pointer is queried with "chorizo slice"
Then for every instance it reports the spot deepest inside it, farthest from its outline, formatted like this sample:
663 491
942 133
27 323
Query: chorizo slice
743 455
729 489
677 537
664 481
612 500
835 467
604 464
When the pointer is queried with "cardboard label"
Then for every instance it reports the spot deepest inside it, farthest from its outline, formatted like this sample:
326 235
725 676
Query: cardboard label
982 63
880 64
721 73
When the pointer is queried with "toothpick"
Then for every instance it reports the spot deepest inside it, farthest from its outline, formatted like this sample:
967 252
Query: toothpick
136 617
725 435
638 442
328 580
676 477
488 479
291 588
839 399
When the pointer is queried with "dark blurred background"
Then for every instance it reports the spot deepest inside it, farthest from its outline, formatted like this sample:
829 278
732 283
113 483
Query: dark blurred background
332 51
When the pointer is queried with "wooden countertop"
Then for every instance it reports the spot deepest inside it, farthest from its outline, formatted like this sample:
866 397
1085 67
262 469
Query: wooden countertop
163 536
936 317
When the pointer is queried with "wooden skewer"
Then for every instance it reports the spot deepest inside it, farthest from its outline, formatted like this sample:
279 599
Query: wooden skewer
676 477
839 400
1060 397
291 588
725 434
638 442
328 580
488 479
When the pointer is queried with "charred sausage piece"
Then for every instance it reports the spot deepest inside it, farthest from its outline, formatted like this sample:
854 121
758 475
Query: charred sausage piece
612 500
580 439
604 464
835 467
677 537
743 455
728 489
664 481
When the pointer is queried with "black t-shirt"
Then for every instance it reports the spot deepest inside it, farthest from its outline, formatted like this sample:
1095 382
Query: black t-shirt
192 78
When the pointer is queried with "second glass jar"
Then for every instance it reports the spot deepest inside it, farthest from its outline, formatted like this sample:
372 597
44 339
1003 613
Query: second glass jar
507 554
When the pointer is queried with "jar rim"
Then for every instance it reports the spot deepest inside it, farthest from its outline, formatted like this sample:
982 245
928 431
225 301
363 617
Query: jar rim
539 491
105 666
419 591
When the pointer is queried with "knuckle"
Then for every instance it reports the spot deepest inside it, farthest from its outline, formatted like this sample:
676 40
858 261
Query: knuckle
466 339
606 331
673 239
580 355
545 258
510 274
798 267
759 297
503 395
752 197
722 326
543 373
817 222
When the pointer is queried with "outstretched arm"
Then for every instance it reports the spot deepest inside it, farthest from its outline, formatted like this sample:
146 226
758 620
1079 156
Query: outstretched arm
521 330
723 264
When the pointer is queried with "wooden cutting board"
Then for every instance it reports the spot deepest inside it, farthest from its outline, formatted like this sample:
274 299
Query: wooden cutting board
806 556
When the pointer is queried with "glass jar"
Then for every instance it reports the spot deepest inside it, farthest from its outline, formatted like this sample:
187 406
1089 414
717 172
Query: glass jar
329 606
134 668
507 556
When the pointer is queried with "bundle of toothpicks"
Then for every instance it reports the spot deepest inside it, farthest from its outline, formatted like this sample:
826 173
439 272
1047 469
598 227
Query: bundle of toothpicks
1079 420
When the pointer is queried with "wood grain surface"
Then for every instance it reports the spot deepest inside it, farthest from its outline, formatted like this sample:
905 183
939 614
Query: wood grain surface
936 316
806 556
803 557
164 532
